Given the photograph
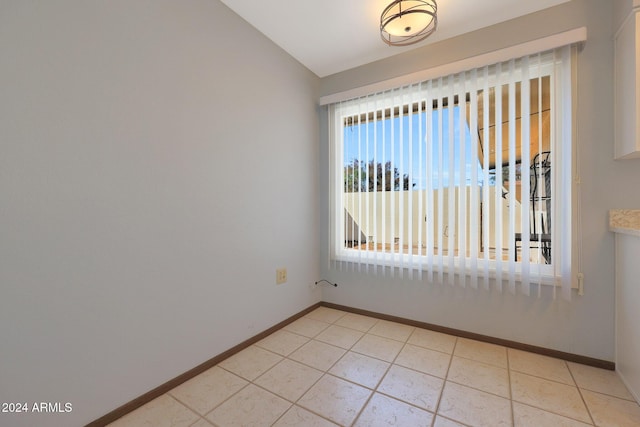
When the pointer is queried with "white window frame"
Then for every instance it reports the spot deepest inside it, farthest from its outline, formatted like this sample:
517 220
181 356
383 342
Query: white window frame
560 272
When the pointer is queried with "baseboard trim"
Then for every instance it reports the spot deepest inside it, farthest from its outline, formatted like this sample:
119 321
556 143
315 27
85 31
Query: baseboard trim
590 361
164 388
169 385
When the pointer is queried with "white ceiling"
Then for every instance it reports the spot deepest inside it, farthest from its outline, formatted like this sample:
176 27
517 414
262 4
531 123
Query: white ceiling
329 36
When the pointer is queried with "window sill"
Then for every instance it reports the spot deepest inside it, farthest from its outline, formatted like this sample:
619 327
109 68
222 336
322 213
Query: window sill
441 265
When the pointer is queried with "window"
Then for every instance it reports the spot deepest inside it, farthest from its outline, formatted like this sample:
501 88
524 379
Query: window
463 178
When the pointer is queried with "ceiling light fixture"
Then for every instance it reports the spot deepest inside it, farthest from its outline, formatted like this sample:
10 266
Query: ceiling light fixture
406 22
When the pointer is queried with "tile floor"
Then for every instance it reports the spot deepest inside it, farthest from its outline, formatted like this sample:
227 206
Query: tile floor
333 368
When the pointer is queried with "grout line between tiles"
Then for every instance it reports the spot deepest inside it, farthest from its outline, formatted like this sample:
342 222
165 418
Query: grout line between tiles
214 408
372 391
455 421
281 397
375 390
584 402
555 413
184 404
477 389
355 420
444 383
311 410
324 373
355 329
305 392
551 411
541 378
197 421
203 419
513 413
382 393
609 395
573 382
316 414
592 389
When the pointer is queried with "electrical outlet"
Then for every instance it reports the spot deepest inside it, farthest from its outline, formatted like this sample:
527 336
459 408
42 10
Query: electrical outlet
281 276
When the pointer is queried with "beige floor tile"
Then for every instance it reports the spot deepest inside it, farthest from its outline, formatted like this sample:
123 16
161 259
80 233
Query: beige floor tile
527 416
318 355
413 387
551 396
299 417
164 411
357 322
251 362
433 340
540 366
339 336
289 379
600 380
325 314
283 342
479 375
424 360
395 331
482 352
609 411
252 406
474 407
360 369
378 347
383 411
444 422
338 400
306 327
208 390
393 375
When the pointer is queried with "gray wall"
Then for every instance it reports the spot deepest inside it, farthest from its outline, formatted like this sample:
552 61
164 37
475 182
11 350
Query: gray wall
621 10
158 162
583 326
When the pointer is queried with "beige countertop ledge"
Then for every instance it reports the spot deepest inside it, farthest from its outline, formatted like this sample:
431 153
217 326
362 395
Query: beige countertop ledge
625 221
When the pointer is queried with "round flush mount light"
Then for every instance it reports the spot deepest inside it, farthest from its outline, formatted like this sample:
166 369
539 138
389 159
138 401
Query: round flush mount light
406 22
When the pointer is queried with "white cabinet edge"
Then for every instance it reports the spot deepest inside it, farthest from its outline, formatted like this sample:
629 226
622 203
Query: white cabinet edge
627 100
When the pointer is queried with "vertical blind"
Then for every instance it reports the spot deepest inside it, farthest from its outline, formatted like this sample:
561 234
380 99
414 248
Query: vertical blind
463 179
